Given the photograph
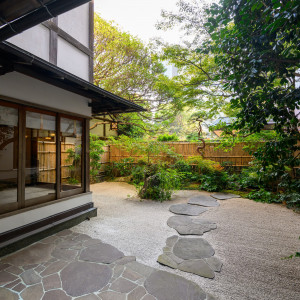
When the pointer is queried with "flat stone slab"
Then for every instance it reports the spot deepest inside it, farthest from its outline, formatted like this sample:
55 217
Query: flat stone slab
101 253
225 196
201 200
166 286
186 209
189 248
80 278
192 255
185 225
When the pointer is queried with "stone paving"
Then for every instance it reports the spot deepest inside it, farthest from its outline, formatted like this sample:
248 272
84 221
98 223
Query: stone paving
224 196
186 209
201 200
70 265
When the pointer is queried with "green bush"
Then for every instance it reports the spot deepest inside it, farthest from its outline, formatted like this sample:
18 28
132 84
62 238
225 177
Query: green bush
168 137
96 150
262 196
123 167
214 182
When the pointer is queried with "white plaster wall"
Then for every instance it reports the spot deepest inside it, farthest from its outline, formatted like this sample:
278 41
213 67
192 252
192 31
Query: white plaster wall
76 23
72 60
19 86
34 40
34 215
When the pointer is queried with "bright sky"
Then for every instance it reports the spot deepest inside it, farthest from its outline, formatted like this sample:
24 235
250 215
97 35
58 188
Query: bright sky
138 17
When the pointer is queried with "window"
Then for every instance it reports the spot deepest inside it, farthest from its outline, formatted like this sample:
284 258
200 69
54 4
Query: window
42 156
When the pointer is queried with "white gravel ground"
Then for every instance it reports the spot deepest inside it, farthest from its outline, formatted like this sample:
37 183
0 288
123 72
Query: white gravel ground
251 240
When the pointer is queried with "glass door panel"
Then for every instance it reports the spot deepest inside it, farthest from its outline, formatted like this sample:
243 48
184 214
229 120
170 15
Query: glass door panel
40 170
71 154
9 141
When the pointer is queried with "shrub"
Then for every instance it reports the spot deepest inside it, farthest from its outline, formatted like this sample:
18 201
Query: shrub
262 196
121 168
214 182
168 137
96 149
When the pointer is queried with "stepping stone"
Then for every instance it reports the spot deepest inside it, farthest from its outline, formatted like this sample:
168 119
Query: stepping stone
81 278
186 209
189 248
198 267
186 225
203 201
224 196
167 286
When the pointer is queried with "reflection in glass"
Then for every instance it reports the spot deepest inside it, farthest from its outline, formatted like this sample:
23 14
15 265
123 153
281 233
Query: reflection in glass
71 153
8 154
40 174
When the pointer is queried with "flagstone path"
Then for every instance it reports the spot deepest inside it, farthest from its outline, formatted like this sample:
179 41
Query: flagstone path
70 265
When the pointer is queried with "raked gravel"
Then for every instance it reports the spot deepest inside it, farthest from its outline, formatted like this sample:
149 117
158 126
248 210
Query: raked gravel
251 240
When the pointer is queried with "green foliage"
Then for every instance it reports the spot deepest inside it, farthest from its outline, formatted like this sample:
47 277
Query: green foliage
262 196
167 137
160 183
96 150
214 182
73 160
123 167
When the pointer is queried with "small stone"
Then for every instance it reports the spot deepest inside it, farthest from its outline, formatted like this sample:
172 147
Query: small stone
193 248
137 293
66 244
56 295
30 277
109 295
54 268
65 254
198 267
178 260
101 253
14 270
49 240
167 286
203 201
6 277
170 242
148 297
34 292
91 242
187 209
118 270
28 267
125 260
140 268
39 269
19 288
167 261
88 297
51 282
3 266
214 263
131 275
122 285
225 196
12 284
6 294
82 238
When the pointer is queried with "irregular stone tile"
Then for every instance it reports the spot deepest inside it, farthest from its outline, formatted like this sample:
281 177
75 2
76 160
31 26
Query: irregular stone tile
214 263
39 268
125 260
148 297
122 285
3 266
193 248
137 293
54 267
50 239
167 286
34 292
88 297
224 196
14 270
6 277
198 267
51 282
101 253
66 244
12 284
140 268
6 294
65 254
18 288
185 225
131 275
170 242
203 201
118 270
109 295
34 254
91 242
187 209
80 278
210 297
64 232
27 267
167 261
81 238
56 295
178 260
30 277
